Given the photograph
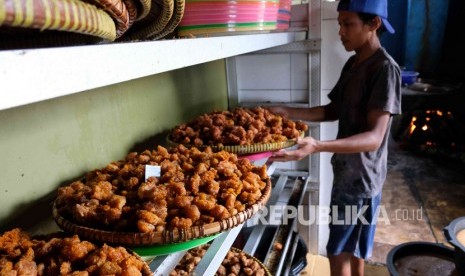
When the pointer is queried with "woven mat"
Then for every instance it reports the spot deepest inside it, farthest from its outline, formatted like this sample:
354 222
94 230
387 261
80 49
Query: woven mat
117 10
155 22
179 6
143 8
55 15
132 11
51 23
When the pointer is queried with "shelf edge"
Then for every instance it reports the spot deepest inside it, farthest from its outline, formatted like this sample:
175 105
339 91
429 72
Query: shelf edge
35 75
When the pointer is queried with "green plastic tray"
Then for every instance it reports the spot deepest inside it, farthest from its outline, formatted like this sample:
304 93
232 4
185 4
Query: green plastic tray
165 249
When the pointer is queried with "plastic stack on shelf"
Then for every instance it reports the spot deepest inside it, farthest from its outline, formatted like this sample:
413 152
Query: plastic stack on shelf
284 14
223 16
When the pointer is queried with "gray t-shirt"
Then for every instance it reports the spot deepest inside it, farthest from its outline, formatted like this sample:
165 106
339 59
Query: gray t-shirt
373 84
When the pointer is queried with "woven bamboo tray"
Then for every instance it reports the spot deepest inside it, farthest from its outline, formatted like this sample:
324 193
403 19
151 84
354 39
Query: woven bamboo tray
45 258
145 271
244 149
194 253
162 237
62 15
262 265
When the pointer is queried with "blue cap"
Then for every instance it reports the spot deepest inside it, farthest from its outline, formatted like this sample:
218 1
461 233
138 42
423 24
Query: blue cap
377 7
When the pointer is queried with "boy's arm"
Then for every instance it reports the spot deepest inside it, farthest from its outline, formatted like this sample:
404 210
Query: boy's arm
312 114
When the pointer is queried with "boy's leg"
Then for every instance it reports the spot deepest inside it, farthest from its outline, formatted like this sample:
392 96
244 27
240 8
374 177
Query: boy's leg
346 264
340 265
349 245
357 266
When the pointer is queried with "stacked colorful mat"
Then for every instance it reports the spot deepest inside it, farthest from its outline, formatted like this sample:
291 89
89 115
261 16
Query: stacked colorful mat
284 14
204 17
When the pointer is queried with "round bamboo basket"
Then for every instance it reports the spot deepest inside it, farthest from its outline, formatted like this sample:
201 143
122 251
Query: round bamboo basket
162 237
262 265
48 256
194 252
246 149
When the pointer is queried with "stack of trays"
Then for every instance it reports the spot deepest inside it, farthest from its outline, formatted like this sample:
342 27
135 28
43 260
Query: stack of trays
222 16
284 14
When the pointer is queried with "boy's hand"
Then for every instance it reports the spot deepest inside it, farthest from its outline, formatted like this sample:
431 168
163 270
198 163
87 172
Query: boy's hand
305 146
279 110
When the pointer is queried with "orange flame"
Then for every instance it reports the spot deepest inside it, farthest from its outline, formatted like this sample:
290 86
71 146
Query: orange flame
412 125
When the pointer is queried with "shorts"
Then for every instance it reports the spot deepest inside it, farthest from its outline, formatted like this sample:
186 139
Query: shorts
352 229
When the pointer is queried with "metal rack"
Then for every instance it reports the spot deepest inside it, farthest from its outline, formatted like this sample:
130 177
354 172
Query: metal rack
276 260
279 260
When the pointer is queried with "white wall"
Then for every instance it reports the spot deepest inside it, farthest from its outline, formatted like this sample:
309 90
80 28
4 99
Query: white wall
273 79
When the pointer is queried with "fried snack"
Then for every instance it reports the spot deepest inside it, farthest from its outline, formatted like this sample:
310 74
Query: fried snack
236 262
195 187
49 256
242 126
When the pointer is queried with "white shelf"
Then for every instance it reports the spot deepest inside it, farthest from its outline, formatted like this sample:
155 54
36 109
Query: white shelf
29 76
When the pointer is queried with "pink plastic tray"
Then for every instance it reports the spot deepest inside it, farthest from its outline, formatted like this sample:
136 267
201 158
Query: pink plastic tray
227 19
208 7
257 156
